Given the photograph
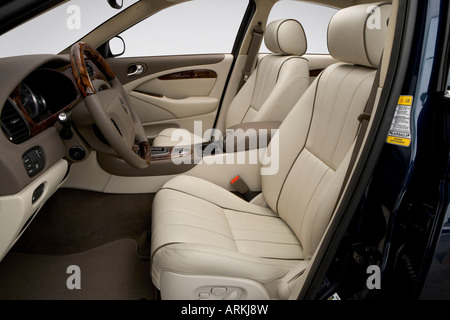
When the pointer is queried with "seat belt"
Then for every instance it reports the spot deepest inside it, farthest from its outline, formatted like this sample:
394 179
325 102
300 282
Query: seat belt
257 36
364 119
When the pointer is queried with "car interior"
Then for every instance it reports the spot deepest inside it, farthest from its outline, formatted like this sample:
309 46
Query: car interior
184 177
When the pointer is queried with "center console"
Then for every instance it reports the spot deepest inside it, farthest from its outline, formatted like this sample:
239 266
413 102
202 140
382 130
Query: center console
170 160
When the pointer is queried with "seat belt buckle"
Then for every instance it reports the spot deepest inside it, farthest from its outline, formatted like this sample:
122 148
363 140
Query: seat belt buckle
239 185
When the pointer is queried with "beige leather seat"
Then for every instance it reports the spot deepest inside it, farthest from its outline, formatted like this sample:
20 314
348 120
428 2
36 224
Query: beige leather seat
208 243
273 88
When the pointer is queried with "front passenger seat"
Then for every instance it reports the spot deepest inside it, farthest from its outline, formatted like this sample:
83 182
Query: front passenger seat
210 244
271 91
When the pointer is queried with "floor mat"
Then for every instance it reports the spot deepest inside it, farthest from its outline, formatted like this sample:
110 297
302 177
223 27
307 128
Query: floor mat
110 272
74 221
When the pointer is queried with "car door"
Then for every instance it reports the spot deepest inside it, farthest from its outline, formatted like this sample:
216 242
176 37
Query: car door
176 63
174 91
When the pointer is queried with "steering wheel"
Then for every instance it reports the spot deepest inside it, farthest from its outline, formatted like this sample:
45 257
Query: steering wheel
111 109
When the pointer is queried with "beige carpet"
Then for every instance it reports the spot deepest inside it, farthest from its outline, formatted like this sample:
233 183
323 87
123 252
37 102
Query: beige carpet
113 271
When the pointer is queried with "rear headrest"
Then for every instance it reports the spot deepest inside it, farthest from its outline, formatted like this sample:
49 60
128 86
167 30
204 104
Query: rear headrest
285 36
356 34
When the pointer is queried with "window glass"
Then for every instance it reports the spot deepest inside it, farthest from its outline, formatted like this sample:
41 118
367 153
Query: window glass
56 29
193 27
314 19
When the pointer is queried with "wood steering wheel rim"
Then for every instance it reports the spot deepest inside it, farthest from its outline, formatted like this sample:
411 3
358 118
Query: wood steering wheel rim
78 52
137 156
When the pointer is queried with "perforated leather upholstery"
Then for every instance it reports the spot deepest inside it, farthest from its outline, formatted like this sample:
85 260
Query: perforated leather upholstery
273 88
202 233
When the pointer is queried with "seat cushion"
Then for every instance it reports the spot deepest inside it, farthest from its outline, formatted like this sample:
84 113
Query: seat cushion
200 228
271 91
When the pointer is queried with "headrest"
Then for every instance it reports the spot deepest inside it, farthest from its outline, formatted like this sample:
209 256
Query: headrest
356 34
285 36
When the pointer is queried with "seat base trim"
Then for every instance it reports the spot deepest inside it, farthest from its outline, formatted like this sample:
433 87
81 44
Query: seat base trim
193 287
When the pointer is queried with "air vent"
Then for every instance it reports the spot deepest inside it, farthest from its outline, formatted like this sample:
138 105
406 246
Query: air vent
89 69
13 124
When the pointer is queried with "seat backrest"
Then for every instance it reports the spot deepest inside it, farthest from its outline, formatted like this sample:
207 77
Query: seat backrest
279 79
316 140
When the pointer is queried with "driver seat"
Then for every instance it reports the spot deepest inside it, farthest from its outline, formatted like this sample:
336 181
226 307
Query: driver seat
208 243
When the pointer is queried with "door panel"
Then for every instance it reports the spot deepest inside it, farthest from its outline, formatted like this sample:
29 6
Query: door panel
173 87
174 91
177 108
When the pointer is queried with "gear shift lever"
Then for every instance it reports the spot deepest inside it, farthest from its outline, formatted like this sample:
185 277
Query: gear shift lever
66 122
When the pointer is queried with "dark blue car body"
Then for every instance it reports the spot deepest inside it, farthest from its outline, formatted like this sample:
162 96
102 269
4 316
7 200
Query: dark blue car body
397 215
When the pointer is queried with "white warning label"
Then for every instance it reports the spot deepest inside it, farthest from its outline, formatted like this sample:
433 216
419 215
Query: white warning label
400 131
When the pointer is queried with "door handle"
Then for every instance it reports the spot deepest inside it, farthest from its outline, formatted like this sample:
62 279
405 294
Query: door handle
135 70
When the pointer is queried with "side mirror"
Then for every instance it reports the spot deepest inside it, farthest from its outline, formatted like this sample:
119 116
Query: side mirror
117 46
116 4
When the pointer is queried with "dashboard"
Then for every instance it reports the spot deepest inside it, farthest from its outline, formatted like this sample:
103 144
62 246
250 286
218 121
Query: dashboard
36 101
34 90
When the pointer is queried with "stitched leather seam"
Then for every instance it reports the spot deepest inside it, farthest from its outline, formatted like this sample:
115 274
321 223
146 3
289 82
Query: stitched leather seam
307 135
226 208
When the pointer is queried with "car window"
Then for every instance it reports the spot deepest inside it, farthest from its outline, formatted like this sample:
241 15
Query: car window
193 27
314 19
56 29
